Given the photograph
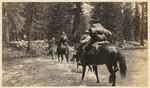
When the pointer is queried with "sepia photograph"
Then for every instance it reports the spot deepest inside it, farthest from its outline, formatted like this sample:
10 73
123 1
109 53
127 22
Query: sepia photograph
76 44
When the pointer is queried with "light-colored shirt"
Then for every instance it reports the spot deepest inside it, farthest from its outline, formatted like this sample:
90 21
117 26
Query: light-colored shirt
99 28
85 38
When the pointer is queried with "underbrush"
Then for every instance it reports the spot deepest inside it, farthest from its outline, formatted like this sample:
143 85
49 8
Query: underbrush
129 45
17 49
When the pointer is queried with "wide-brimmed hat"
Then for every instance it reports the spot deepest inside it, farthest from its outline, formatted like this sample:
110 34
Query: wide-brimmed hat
96 21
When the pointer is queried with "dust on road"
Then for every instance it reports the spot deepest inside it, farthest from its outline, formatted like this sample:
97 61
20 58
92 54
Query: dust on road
43 71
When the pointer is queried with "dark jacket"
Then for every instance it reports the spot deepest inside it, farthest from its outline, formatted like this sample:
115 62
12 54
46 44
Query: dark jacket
63 39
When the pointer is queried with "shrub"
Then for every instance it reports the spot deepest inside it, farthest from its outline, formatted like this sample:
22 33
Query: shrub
17 49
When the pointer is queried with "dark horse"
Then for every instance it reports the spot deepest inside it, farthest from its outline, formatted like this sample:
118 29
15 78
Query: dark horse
63 50
107 54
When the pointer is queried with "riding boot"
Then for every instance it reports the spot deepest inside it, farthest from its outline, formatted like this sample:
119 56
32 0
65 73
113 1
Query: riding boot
85 51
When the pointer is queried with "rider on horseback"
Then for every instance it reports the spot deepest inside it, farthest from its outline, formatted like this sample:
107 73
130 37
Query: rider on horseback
98 34
63 39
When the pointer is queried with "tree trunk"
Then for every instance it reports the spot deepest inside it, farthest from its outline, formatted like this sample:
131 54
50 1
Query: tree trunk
29 40
29 35
16 38
142 33
76 18
6 31
20 36
13 27
7 35
29 25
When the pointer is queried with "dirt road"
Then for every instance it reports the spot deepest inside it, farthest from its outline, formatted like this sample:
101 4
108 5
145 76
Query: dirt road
43 71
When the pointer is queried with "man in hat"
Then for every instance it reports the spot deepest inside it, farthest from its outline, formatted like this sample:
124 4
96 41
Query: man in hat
98 34
63 39
84 40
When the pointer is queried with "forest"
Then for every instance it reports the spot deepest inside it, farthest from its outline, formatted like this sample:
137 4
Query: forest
30 59
40 21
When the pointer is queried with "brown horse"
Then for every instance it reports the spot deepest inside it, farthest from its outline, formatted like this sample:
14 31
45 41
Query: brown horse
107 54
63 50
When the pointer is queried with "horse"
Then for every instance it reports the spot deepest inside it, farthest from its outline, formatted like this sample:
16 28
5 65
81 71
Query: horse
63 50
52 51
108 54
78 63
79 48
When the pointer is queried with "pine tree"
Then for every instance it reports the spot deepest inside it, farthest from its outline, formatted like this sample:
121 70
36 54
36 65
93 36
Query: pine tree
76 18
110 16
28 14
127 21
11 13
144 23
136 22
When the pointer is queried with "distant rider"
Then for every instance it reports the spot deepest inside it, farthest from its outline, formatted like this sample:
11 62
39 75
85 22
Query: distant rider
63 39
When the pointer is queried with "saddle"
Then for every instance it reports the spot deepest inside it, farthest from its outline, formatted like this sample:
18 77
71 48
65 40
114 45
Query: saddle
95 46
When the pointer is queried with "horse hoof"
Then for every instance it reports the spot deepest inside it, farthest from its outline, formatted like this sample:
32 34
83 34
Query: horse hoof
110 79
97 81
113 84
82 80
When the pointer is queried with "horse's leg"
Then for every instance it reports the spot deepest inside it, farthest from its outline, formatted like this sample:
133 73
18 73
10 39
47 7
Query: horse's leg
115 67
96 72
50 53
62 58
83 73
73 61
77 66
58 57
52 56
112 78
90 68
66 57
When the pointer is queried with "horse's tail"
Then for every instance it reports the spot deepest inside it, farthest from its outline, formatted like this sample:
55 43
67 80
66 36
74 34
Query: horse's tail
122 64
